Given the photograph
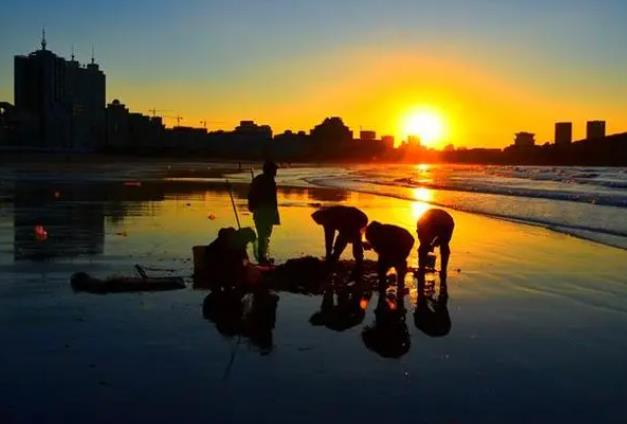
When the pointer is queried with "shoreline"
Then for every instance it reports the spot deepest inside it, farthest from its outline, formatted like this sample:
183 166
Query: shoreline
208 173
25 156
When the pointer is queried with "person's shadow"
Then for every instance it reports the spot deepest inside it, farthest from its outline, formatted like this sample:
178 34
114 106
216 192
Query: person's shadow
388 335
431 315
251 315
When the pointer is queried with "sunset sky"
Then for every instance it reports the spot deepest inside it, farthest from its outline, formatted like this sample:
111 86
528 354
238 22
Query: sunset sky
487 68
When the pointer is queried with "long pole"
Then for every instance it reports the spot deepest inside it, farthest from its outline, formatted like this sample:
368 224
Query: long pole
255 243
239 227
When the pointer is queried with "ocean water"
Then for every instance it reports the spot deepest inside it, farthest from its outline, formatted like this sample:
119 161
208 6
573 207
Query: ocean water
586 202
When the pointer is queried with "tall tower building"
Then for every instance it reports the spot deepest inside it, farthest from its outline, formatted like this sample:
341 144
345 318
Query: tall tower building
62 103
563 133
595 130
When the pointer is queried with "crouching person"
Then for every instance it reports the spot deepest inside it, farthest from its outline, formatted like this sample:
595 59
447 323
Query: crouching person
226 259
349 223
435 229
393 245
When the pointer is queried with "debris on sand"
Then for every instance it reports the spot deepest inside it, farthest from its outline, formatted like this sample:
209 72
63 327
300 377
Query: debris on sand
305 275
82 281
41 234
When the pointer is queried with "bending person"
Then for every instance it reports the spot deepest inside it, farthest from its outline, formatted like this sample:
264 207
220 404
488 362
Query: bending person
434 228
349 222
393 245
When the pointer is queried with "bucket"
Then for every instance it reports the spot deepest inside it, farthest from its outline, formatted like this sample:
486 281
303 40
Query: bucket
200 262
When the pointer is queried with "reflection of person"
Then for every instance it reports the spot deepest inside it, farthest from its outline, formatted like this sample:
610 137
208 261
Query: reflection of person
348 312
388 336
435 228
262 202
349 222
259 319
251 315
431 315
393 245
224 308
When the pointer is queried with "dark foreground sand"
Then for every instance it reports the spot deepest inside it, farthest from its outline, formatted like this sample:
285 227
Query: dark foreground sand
538 321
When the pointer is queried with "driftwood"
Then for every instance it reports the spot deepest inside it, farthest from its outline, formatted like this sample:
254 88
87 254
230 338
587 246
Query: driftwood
82 281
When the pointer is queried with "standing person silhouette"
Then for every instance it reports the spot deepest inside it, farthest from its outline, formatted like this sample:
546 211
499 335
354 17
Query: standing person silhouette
262 202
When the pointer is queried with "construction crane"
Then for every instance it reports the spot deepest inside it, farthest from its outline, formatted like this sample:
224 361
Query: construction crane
154 111
177 118
205 123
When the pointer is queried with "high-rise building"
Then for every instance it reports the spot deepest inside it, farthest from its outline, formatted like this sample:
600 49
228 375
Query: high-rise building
595 130
563 133
62 104
118 132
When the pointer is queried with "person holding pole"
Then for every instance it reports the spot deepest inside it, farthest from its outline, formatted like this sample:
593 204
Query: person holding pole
262 202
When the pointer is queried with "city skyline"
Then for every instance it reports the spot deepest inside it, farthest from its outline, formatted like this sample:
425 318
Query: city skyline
210 65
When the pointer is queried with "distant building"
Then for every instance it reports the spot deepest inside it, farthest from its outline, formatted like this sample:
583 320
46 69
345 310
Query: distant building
291 145
131 131
146 131
61 103
595 130
118 134
563 133
331 131
249 130
388 141
188 139
524 139
290 136
7 123
413 140
367 135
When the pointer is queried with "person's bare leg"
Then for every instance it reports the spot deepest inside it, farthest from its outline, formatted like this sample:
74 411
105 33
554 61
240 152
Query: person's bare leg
382 270
264 231
423 252
358 249
340 245
329 234
401 271
358 254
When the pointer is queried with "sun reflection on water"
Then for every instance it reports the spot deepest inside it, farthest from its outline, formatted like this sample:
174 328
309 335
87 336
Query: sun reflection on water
423 167
423 196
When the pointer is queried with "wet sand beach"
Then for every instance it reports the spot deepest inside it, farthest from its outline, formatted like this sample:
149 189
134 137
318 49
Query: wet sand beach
537 318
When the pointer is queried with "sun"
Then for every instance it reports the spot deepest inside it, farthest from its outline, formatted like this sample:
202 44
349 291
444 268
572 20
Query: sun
428 125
